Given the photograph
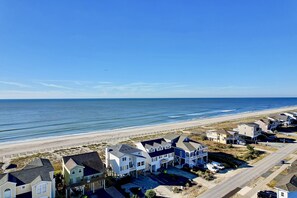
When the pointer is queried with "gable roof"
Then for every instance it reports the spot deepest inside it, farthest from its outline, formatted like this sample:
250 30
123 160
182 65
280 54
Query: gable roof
171 136
91 162
120 150
153 142
265 121
36 168
187 144
288 183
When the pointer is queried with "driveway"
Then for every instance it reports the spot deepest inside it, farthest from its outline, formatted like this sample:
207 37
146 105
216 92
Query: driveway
248 174
176 171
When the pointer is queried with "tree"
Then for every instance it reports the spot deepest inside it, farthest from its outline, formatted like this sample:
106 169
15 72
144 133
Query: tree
150 193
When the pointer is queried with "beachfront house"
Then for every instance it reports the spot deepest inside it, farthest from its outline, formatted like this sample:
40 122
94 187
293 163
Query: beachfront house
267 125
83 173
158 153
222 136
283 119
36 180
249 131
187 151
123 159
287 187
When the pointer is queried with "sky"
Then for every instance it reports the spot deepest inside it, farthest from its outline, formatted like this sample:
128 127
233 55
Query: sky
148 49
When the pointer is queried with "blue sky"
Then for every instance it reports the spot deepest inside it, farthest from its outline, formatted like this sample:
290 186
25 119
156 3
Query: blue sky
168 48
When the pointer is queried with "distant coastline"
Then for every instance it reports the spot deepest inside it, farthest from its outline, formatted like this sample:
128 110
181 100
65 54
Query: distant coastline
9 149
24 120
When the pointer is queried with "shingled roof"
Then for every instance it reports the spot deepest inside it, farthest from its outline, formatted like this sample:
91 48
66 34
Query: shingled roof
120 150
156 142
36 168
90 161
288 183
187 144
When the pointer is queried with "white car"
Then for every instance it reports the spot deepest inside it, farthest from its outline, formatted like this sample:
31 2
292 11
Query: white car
218 165
212 168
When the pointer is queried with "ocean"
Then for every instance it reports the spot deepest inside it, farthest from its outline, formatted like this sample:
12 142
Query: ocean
29 119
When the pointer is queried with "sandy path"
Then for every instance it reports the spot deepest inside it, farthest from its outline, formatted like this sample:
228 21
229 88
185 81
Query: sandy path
11 149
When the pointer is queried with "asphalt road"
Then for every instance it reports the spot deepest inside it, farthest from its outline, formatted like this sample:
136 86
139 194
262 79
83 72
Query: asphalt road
241 179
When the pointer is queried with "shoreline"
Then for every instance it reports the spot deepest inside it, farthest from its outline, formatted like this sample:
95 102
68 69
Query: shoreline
47 144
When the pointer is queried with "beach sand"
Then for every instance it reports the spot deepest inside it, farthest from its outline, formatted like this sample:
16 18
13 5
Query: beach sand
14 149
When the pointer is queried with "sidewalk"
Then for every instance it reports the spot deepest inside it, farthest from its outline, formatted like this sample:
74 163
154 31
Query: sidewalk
262 184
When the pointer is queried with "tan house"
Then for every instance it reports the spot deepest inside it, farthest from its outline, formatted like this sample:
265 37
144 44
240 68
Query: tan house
36 180
222 136
249 130
83 173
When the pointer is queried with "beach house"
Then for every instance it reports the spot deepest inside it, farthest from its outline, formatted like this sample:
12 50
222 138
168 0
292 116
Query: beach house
283 119
36 180
267 125
83 173
287 187
158 153
187 151
123 159
249 131
222 136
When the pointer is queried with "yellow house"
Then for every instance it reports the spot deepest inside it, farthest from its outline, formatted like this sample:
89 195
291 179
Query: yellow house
222 136
83 173
36 180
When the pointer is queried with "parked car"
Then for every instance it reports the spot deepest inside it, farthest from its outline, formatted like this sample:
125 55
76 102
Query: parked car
212 168
218 165
266 194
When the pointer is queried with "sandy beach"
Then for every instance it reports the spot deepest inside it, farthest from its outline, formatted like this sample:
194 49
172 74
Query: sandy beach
14 149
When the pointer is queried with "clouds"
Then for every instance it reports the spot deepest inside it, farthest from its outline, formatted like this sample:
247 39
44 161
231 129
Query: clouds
54 86
15 84
107 89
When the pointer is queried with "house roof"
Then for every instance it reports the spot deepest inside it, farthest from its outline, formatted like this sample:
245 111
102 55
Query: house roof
162 152
251 124
280 117
38 167
187 144
171 136
265 121
156 142
91 162
153 142
120 150
288 183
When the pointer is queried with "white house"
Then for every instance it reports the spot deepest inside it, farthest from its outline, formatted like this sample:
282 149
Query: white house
249 130
158 153
287 187
187 151
124 159
36 180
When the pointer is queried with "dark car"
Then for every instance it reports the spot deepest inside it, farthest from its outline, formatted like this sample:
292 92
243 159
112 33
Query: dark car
266 194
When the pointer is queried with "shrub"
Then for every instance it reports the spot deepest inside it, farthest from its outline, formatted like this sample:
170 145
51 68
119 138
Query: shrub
150 193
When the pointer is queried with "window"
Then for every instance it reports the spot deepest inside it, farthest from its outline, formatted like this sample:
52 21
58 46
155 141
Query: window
187 154
142 163
124 159
79 171
41 188
282 194
73 172
160 157
138 163
165 155
7 193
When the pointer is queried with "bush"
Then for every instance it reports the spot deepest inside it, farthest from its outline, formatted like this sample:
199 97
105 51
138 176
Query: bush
150 193
176 190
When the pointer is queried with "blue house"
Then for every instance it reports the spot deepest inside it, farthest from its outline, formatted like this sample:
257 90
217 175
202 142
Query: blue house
187 151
